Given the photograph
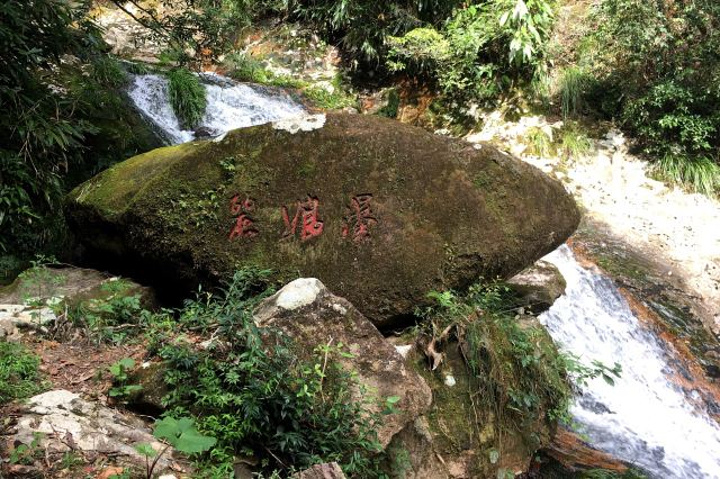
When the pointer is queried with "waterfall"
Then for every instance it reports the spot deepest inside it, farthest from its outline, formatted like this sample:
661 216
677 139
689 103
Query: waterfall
644 418
230 105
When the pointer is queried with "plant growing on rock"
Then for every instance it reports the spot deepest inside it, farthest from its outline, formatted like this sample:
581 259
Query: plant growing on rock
119 372
257 395
517 371
187 97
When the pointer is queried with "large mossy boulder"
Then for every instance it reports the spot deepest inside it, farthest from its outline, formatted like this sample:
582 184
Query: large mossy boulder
381 212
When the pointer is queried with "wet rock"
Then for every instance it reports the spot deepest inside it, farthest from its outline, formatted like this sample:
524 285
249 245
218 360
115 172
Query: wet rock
321 471
66 422
574 454
466 434
380 212
151 378
538 286
205 132
312 316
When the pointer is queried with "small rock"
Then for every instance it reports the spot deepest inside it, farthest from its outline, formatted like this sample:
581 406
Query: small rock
538 286
321 471
404 349
18 316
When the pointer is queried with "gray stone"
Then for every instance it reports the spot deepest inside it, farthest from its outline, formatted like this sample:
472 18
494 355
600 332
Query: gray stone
321 471
312 316
67 422
539 286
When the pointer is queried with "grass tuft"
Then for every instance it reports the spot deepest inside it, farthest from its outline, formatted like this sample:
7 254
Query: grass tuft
573 141
572 84
187 97
540 143
700 174
19 377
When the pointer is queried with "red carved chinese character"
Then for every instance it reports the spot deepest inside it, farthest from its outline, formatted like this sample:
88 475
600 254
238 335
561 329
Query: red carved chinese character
244 224
359 219
306 212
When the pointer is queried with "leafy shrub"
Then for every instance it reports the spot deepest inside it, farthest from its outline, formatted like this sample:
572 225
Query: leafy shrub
119 371
187 97
482 50
656 70
111 315
244 67
256 394
178 433
64 118
19 376
363 26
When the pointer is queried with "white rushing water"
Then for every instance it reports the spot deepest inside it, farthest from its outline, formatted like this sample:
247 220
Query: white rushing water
644 419
230 105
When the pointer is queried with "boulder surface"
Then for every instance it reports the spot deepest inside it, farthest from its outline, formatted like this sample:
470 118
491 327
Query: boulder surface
67 422
313 318
379 211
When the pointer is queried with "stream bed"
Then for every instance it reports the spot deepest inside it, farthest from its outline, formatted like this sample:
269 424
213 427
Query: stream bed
645 418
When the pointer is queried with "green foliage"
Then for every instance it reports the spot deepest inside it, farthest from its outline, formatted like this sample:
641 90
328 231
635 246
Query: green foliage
182 435
63 117
482 51
39 281
178 433
364 26
323 98
26 454
655 69
573 84
119 372
605 474
540 142
41 134
393 104
187 97
518 372
573 141
110 316
697 173
243 67
256 394
19 376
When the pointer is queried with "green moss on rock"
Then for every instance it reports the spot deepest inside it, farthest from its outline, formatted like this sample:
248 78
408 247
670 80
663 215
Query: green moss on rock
435 227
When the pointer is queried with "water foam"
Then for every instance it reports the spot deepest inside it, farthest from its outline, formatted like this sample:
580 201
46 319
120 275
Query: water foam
644 419
230 105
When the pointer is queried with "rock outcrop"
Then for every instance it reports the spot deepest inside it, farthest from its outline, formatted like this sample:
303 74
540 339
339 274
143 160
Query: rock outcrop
55 283
321 471
313 317
380 212
67 422
538 286
575 454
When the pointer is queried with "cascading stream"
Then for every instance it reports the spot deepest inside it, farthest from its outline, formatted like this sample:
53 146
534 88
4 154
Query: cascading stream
230 105
644 418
